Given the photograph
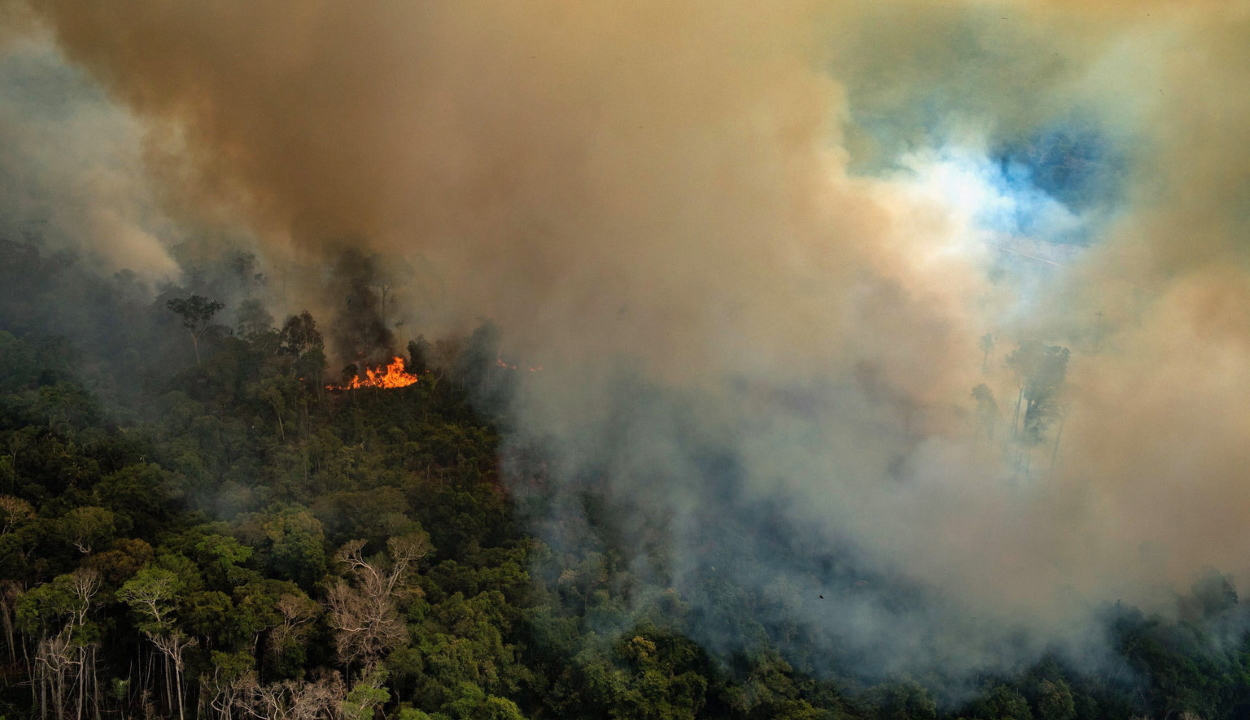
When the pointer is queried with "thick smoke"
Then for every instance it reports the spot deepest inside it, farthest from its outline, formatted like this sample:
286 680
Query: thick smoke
361 331
756 282
71 169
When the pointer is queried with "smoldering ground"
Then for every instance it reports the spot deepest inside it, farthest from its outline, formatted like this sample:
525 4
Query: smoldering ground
733 203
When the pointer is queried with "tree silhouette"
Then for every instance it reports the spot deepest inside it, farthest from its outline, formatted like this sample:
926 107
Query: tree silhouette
987 347
197 314
1040 371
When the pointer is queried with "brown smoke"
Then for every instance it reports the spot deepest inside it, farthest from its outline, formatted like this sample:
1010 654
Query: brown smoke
667 186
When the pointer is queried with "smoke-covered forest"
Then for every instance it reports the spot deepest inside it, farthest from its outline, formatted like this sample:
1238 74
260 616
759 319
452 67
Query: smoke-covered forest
845 359
209 529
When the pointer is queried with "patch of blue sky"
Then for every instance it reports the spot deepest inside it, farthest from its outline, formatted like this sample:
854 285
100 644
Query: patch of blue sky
999 199
1061 171
1025 209
1056 186
1072 162
1059 183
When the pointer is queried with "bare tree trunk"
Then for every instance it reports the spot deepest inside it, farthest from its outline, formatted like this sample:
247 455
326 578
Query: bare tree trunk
278 412
6 616
172 647
150 687
51 665
178 685
95 684
30 671
43 694
82 680
169 693
145 673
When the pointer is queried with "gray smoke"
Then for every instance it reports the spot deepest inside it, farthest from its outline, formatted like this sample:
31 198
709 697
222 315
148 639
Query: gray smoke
748 245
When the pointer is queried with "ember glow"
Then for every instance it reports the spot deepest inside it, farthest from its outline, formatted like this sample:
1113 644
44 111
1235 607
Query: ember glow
383 376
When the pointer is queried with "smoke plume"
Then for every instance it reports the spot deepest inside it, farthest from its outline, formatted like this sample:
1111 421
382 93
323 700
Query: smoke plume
756 249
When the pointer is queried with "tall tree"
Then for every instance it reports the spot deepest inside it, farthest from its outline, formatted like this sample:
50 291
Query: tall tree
363 615
153 594
300 334
1040 372
987 410
987 347
254 320
197 313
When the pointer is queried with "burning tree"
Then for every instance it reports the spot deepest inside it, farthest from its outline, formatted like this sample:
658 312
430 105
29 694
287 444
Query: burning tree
392 375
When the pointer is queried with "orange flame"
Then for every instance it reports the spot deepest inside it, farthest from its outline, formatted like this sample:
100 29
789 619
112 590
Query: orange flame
393 377
506 366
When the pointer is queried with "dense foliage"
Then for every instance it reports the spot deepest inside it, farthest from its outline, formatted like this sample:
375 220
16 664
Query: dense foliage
204 530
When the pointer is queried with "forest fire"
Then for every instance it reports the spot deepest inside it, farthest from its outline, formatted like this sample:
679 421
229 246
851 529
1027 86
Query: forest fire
383 376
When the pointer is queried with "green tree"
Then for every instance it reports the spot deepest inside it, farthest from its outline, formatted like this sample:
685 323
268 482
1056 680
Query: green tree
139 493
298 545
56 615
279 394
1002 703
254 320
904 701
197 313
275 619
1054 701
300 334
471 702
14 512
221 556
368 693
153 595
84 527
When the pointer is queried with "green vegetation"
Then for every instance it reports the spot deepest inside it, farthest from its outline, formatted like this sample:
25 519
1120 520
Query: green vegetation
232 540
